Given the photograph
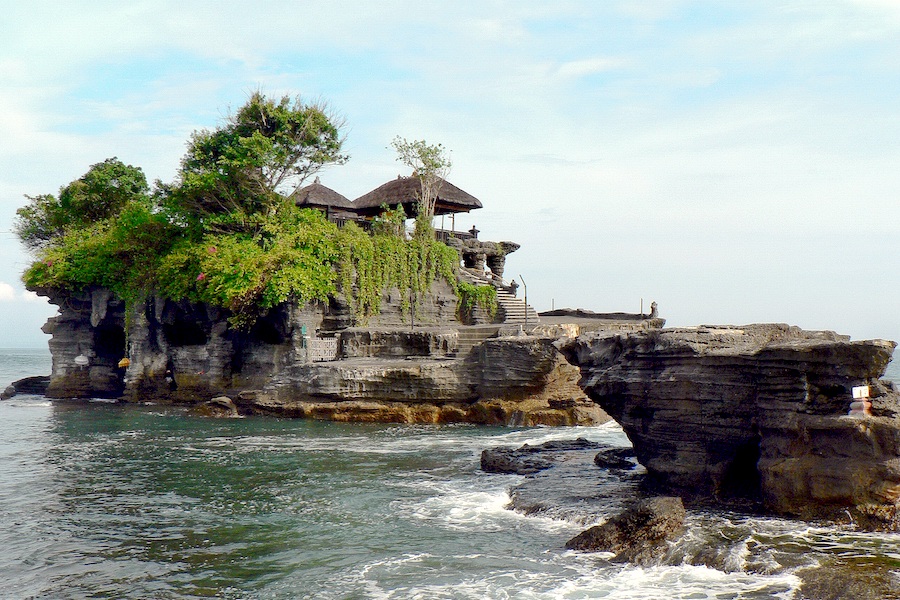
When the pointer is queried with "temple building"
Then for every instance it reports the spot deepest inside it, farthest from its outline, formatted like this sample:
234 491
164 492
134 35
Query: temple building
337 208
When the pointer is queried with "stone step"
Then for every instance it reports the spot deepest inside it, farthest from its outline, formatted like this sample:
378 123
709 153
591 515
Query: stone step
514 309
469 337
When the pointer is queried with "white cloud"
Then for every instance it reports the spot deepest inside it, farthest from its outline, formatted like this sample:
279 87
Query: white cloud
7 292
29 296
590 66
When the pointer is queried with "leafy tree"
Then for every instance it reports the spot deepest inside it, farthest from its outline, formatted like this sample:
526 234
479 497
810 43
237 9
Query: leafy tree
238 170
120 253
101 193
224 234
430 164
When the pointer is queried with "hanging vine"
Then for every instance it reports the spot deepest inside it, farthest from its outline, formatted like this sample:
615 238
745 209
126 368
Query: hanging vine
369 265
471 296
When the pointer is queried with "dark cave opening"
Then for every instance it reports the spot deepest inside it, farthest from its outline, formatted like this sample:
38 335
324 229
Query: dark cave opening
109 349
742 479
185 333
109 343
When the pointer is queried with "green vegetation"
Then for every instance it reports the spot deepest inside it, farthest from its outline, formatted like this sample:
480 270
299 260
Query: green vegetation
482 296
101 193
430 164
223 233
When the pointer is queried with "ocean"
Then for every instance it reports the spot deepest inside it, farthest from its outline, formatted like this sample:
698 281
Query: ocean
101 500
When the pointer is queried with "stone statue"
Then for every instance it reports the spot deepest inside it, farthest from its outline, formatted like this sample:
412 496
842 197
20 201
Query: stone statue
653 310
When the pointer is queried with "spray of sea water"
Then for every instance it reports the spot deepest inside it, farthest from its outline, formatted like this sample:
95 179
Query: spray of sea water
109 501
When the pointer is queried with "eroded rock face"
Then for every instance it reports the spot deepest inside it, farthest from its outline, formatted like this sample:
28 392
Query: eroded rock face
508 381
186 353
753 413
87 343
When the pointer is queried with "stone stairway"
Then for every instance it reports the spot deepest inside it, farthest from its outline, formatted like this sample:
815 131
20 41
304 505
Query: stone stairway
514 309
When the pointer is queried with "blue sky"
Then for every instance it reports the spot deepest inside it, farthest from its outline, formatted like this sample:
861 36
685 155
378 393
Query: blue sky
737 162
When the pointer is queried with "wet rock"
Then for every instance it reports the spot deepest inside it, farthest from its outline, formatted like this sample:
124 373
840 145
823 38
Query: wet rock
638 534
860 580
220 407
616 458
528 459
29 385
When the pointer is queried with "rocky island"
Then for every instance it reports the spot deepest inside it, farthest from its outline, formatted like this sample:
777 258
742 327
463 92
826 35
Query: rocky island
220 290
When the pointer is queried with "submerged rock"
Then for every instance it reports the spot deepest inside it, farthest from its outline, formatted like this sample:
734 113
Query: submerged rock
528 460
638 534
29 385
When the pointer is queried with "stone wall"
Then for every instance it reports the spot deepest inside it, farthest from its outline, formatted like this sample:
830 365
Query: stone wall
398 343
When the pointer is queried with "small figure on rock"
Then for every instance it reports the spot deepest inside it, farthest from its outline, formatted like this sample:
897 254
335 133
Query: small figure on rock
513 287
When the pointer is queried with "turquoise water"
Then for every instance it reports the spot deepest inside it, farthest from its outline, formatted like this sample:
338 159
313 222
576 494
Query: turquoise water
107 501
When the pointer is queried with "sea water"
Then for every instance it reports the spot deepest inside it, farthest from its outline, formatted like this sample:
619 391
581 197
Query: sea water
101 500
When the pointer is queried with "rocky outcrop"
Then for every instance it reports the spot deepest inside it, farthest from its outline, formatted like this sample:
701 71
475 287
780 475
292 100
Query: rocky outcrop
219 407
638 534
36 385
505 381
527 460
291 363
756 413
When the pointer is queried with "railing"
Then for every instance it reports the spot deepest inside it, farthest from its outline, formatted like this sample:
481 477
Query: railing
444 235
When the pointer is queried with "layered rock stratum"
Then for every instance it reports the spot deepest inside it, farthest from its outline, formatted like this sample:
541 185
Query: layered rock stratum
756 413
389 371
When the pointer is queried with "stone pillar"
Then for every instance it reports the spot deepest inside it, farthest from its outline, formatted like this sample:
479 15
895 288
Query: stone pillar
479 261
496 263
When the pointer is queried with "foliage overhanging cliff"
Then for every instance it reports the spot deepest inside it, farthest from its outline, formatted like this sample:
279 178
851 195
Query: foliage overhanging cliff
223 232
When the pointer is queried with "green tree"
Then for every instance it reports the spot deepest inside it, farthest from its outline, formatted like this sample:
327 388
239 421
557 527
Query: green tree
101 193
240 170
430 164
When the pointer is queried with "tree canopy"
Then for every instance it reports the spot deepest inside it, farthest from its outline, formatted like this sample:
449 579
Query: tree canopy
430 164
239 170
223 232
101 193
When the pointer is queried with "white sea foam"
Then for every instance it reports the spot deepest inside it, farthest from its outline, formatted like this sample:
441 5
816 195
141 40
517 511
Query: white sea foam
675 582
480 505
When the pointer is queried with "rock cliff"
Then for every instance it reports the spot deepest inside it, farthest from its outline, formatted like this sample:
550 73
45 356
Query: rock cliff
755 413
304 360
504 381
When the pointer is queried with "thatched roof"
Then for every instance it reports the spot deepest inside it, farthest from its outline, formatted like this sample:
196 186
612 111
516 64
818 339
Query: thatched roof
406 190
319 196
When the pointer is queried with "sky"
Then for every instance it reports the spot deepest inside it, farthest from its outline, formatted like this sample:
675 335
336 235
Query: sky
736 162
